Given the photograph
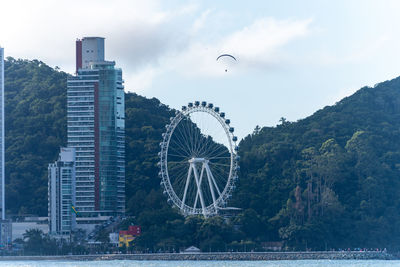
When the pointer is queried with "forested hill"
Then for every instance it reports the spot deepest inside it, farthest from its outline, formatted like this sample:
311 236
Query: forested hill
35 124
330 180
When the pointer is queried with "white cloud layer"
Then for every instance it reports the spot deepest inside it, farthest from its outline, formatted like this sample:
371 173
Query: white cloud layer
143 37
258 45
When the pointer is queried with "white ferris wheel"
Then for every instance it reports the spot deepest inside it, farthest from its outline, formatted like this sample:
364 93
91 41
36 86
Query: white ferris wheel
198 160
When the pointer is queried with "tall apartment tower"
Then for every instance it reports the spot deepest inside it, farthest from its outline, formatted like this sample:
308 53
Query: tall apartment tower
2 173
61 194
96 129
5 225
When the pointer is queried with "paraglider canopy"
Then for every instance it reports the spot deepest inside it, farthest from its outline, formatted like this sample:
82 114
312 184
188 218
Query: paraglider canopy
226 55
230 57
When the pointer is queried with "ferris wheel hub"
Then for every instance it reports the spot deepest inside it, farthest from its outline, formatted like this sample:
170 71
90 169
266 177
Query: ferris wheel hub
197 160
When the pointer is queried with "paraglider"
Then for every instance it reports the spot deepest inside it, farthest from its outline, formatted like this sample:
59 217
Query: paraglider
227 56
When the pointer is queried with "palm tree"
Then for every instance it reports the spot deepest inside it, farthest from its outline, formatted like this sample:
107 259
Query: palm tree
33 241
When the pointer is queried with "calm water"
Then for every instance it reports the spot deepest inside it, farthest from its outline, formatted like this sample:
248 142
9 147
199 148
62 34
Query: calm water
299 263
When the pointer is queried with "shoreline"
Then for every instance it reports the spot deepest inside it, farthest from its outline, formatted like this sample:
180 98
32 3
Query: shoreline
216 256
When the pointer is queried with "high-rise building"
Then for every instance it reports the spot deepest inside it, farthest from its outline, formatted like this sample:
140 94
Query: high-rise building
2 173
5 225
96 129
61 194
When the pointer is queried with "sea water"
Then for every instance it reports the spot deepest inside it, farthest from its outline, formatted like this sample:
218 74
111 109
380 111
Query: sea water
129 263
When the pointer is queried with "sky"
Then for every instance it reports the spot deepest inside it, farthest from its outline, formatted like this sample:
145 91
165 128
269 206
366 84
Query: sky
293 57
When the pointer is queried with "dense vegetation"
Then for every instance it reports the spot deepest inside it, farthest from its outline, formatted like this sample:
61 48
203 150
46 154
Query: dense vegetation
35 107
328 181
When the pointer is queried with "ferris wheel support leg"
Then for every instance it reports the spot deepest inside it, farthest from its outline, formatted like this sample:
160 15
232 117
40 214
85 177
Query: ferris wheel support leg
213 179
186 186
209 175
196 177
197 194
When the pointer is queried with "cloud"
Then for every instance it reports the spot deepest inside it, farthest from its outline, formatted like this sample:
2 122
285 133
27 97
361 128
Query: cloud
141 80
145 38
136 32
200 22
258 45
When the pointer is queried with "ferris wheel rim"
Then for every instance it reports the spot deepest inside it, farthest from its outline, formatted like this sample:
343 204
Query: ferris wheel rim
220 202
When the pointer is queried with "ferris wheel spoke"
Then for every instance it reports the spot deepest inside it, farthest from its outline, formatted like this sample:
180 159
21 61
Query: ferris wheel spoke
197 140
178 145
173 153
221 164
178 184
218 152
176 171
175 168
205 145
177 161
227 157
177 155
188 133
212 145
200 148
183 140
195 136
220 174
202 136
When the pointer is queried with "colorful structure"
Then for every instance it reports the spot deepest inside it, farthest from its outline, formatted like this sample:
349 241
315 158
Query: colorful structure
126 237
96 129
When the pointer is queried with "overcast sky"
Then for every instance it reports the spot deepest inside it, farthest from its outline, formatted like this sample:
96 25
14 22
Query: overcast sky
293 57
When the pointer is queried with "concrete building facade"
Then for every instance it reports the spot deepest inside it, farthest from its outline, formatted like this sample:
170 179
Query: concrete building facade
96 129
61 194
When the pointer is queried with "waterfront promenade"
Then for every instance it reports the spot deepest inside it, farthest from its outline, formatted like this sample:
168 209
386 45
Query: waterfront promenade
223 256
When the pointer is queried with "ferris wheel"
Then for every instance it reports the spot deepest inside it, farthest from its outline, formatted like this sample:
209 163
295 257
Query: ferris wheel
198 160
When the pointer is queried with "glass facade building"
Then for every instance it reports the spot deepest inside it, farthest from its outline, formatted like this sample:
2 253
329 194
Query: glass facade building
96 129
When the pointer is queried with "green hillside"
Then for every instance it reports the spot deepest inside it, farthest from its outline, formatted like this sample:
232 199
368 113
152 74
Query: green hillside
328 181
35 108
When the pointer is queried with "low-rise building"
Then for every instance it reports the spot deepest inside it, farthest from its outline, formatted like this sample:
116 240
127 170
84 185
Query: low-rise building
114 239
20 226
5 233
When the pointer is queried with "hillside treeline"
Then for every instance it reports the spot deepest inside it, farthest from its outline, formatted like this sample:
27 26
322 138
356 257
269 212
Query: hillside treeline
329 181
